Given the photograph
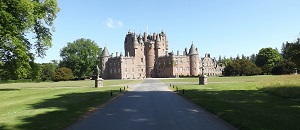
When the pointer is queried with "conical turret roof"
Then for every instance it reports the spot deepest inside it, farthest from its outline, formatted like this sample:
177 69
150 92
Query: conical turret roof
105 52
157 38
193 50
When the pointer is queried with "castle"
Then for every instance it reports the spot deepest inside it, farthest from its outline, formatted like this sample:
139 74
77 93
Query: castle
147 56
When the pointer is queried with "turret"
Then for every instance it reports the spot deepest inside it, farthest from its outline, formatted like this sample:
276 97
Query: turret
145 37
104 58
135 42
194 60
140 39
157 44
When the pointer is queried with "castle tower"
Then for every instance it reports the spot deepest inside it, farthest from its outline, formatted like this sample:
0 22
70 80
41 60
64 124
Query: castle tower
194 60
150 58
104 59
157 46
130 44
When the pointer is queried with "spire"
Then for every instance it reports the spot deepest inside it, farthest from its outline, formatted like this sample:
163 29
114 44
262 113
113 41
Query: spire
135 42
105 52
157 38
193 50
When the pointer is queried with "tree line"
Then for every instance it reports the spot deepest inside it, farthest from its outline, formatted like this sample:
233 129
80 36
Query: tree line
267 61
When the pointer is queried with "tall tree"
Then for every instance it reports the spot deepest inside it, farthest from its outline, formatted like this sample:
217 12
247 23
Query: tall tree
253 58
291 52
21 17
48 70
267 58
248 68
81 56
232 69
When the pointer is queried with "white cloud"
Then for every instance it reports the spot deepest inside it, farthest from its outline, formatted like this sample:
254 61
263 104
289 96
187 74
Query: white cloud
110 23
120 23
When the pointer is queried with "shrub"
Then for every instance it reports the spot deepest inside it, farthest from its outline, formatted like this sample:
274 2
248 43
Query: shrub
62 74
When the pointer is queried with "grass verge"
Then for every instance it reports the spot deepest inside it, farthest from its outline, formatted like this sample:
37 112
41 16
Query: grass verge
243 102
50 105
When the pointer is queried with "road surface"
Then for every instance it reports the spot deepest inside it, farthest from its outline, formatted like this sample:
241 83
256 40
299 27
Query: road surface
150 105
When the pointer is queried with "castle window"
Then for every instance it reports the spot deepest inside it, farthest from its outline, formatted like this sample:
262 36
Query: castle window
118 70
110 64
115 70
110 70
181 68
142 60
187 68
126 70
114 64
142 70
180 61
176 69
194 63
132 69
176 62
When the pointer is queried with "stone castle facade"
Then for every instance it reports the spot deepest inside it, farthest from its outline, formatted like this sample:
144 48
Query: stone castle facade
147 56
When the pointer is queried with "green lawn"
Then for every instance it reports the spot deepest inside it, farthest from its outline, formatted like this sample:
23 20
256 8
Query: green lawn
254 102
53 105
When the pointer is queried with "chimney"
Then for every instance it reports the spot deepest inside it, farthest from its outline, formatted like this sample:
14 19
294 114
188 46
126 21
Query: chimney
116 54
177 52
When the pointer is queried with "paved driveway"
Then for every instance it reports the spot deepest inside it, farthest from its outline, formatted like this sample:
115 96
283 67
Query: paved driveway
150 105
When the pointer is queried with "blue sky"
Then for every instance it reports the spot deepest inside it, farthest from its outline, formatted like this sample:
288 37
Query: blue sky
219 27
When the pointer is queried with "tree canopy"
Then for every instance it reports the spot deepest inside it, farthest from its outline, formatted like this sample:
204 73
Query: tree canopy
267 58
18 19
81 56
291 52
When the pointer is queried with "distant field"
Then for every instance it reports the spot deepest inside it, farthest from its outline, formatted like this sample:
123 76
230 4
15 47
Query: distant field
52 105
255 102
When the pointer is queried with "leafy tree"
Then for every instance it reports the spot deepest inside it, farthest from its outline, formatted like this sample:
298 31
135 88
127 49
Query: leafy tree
16 69
220 59
243 56
232 69
267 58
284 67
291 52
253 58
62 74
48 70
237 57
36 71
248 68
18 18
81 56
225 61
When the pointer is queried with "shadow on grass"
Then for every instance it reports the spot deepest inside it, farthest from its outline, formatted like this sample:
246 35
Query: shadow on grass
9 89
248 109
286 92
66 109
3 127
